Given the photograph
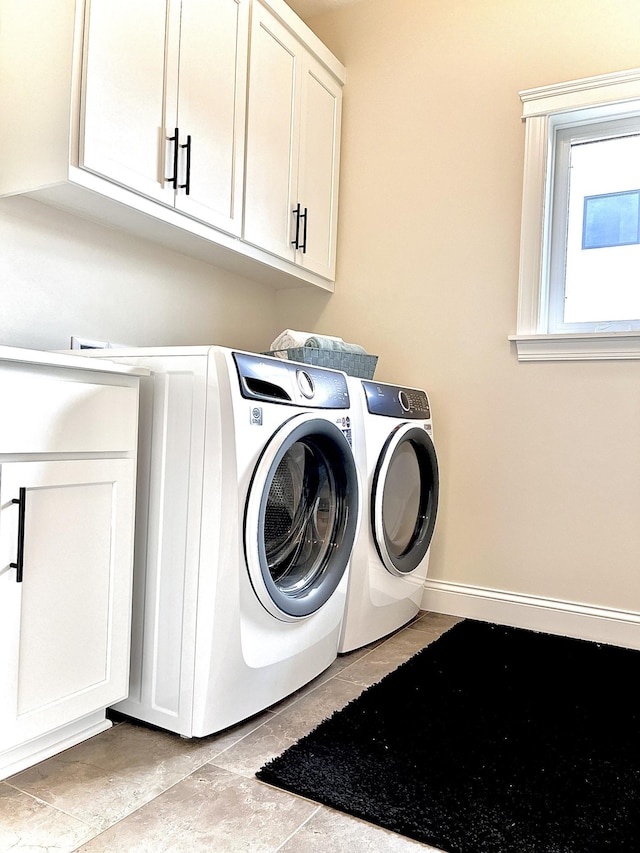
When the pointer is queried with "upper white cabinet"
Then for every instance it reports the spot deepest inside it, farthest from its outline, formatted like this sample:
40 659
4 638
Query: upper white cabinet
163 102
123 93
134 113
210 113
293 136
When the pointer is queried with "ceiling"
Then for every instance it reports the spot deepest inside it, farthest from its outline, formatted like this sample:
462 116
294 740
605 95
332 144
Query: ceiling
308 8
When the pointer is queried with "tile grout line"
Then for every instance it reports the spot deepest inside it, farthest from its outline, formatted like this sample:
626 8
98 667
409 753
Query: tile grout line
297 830
47 805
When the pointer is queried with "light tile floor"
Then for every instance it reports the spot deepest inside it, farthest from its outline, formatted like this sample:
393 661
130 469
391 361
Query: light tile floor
136 789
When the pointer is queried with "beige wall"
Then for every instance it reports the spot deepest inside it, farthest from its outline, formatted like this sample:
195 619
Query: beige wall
61 275
540 463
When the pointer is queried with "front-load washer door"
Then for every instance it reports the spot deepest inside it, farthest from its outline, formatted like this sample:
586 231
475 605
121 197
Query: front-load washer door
404 499
301 516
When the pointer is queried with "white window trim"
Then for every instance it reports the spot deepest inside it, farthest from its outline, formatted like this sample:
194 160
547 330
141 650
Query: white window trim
610 95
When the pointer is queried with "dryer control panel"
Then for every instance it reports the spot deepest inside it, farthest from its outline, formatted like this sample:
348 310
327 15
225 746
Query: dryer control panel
396 401
275 380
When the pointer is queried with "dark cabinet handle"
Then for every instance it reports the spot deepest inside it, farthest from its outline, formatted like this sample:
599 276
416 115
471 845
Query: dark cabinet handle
304 231
299 215
22 507
187 181
296 212
174 178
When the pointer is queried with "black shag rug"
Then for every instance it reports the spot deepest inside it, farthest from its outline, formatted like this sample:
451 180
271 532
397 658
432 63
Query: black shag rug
490 740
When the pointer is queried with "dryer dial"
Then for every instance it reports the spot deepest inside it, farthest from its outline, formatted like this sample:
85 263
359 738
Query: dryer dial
305 384
404 401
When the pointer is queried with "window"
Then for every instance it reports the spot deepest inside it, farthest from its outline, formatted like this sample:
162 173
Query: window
579 289
608 219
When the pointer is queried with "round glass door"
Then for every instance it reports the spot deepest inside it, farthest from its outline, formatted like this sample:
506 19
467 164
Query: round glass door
301 516
405 499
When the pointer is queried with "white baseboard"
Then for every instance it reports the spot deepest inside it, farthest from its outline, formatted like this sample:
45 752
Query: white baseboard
600 624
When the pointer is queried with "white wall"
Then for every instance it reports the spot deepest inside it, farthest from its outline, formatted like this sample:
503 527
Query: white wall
540 463
61 275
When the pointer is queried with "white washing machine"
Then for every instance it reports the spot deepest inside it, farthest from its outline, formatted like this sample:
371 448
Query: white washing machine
397 461
248 509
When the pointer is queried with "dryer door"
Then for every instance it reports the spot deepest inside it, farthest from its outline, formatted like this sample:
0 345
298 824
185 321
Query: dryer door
404 498
301 516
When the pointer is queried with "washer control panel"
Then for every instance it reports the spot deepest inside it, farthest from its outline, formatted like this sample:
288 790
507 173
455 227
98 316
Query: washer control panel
396 401
278 381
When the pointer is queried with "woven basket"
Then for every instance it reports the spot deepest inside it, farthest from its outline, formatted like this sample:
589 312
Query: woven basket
353 363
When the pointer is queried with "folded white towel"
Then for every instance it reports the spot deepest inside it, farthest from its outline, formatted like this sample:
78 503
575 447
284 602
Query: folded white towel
290 338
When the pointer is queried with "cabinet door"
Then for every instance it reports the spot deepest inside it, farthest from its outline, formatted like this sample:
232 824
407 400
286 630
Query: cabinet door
319 161
272 135
122 122
211 110
65 628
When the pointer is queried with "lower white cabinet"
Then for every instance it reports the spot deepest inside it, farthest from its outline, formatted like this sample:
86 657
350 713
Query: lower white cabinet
66 552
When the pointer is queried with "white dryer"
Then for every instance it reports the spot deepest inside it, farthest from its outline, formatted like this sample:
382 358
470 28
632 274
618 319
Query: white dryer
398 465
248 510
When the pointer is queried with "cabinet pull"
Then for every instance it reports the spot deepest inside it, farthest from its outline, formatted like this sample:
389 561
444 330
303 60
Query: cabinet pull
296 241
174 178
304 231
22 506
187 181
299 215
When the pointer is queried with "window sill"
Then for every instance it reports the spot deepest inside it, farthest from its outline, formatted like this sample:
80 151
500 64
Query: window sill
590 346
